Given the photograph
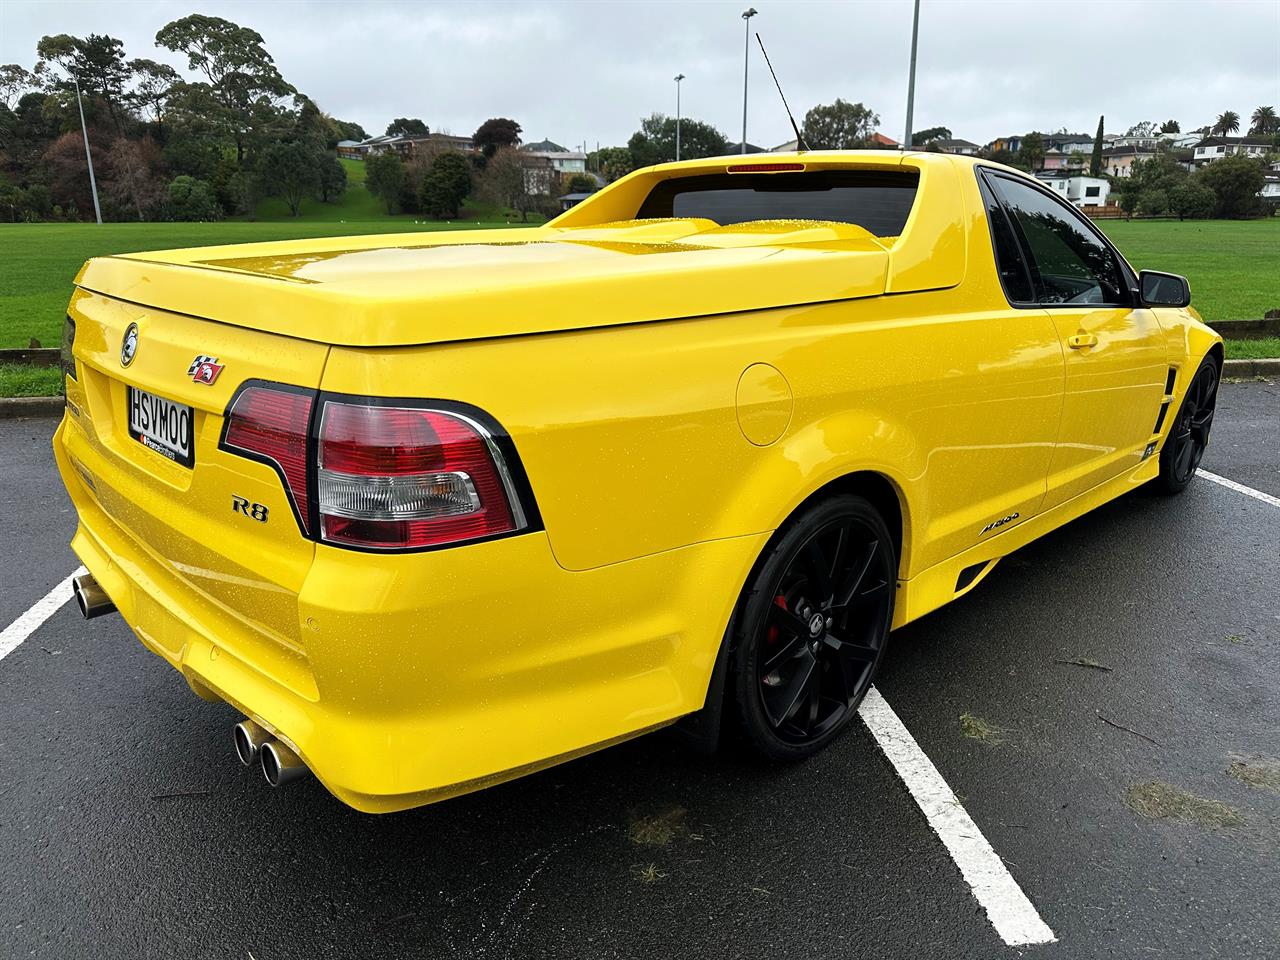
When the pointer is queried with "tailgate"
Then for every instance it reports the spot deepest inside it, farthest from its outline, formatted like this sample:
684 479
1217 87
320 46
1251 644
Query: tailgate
249 562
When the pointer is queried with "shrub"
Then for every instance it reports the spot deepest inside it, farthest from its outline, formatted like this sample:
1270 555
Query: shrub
446 185
1192 201
191 199
1236 181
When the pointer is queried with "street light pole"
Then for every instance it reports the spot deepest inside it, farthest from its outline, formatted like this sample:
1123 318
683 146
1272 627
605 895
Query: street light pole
679 77
93 184
746 60
911 79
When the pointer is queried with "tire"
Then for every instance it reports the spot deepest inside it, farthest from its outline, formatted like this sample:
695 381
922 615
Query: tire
811 628
1189 432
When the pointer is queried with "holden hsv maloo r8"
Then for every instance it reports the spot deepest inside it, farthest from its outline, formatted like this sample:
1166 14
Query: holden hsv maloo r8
437 510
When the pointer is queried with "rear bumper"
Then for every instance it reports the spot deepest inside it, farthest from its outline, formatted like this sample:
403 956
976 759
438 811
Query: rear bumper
421 676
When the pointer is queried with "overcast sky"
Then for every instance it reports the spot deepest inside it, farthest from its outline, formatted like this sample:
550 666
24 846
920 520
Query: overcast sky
585 71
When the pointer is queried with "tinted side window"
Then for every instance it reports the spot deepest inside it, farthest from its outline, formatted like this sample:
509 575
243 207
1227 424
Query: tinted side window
878 201
1069 264
1012 267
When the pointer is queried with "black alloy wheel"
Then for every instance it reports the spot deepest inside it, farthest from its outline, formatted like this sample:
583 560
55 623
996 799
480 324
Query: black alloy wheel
1189 432
813 628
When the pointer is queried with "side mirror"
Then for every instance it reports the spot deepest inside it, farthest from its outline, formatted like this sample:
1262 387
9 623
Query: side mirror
1163 289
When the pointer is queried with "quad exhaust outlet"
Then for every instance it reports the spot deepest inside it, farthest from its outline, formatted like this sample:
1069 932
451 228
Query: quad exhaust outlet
255 744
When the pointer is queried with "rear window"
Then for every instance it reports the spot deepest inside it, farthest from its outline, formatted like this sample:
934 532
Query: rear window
877 201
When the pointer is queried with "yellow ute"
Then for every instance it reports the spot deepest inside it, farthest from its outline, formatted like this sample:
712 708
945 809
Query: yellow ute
437 510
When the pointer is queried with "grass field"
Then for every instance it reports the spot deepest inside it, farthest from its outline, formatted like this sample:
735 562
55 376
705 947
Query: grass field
21 380
1234 267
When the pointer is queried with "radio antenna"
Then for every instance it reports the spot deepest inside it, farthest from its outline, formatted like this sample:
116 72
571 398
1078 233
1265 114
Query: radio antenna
800 141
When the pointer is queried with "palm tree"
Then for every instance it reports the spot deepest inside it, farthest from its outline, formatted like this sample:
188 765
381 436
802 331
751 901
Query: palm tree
1265 120
1228 122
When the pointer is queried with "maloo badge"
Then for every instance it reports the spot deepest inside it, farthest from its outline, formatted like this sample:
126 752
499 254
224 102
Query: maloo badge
204 369
129 345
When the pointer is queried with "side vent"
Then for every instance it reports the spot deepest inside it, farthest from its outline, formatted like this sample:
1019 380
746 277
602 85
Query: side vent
1168 398
970 574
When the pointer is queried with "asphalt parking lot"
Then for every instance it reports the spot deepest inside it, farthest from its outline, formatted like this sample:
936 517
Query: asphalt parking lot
1104 705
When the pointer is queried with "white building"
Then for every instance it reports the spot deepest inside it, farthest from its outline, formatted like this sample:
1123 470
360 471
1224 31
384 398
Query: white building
1082 190
1215 148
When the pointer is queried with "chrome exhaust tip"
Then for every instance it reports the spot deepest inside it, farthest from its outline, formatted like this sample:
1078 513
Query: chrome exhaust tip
249 738
280 765
90 597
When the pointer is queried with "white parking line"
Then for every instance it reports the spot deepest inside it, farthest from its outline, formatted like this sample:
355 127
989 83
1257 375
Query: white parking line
1239 487
40 611
1010 912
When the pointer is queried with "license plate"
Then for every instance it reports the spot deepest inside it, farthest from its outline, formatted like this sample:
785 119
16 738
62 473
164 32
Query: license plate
162 425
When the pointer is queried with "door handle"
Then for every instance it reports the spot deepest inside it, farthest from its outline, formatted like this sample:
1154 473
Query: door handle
1082 340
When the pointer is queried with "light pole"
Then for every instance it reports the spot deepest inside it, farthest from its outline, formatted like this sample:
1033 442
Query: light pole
746 60
679 77
911 79
93 184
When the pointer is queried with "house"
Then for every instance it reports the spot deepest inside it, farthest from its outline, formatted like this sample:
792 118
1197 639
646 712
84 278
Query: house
1215 148
351 149
572 200
1119 161
965 148
565 162
1082 190
1005 144
736 148
1180 141
1069 143
1144 142
407 145
544 146
878 141
1270 192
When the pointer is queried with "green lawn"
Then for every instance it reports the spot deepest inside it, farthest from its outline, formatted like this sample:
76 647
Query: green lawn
1253 349
1233 265
21 380
41 259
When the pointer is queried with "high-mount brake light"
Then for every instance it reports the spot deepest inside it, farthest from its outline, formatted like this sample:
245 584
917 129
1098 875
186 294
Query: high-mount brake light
765 167
399 478
269 424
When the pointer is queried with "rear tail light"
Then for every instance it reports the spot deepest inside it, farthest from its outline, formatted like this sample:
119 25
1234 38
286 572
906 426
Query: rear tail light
371 475
405 477
271 425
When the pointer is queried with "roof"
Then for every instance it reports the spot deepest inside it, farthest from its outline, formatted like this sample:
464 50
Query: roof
556 154
348 143
544 146
881 140
943 144
1128 151
576 196
1228 141
737 148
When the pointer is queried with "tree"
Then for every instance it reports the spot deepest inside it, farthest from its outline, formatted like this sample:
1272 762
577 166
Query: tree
1264 121
290 171
96 61
407 127
923 137
612 163
191 199
152 83
1149 187
1170 126
494 133
243 85
384 178
15 80
1031 153
519 182
655 141
349 130
1153 203
1236 180
1228 122
839 126
446 185
1146 128
333 178
1095 159
130 180
1192 200
580 183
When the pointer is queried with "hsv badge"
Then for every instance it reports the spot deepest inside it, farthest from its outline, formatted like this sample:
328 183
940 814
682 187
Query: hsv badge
204 369
129 345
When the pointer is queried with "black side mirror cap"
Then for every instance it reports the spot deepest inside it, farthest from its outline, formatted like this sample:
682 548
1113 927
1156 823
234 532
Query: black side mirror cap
1163 289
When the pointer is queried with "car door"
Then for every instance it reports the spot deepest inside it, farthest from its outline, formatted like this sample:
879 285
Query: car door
1116 364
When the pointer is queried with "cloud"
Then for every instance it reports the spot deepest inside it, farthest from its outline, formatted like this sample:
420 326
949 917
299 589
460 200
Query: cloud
582 72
